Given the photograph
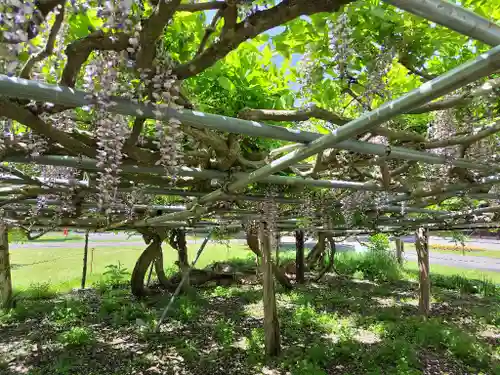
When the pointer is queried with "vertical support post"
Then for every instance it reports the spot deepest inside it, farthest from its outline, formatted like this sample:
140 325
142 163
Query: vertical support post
399 250
277 244
271 322
5 275
299 256
85 257
183 258
422 246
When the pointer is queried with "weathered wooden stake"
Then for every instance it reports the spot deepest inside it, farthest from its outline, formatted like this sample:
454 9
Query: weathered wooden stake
422 246
85 257
271 322
277 243
299 256
399 250
183 259
5 276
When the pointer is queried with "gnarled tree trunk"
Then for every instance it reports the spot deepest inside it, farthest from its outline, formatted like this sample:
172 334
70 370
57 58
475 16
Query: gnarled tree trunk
177 240
253 243
331 262
5 275
152 253
317 251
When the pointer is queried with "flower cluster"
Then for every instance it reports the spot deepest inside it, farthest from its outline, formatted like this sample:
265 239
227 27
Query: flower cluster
341 43
169 135
375 84
137 195
15 17
111 130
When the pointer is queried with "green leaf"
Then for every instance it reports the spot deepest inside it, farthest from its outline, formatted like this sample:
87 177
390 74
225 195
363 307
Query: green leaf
82 24
226 84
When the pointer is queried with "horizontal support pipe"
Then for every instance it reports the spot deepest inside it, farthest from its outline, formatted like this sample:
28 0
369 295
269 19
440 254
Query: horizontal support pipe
466 73
455 188
91 165
453 17
26 89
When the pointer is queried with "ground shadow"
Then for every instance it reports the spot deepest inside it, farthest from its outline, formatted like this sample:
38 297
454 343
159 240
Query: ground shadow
338 326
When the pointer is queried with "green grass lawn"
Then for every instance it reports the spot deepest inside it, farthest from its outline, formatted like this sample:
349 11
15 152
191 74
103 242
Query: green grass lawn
475 252
61 267
340 325
467 273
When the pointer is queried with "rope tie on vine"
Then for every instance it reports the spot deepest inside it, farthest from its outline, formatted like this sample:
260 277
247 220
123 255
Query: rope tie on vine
388 150
227 181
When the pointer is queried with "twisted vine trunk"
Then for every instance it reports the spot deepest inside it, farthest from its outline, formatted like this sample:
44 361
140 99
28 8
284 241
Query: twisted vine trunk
177 240
331 261
152 253
317 251
5 276
252 238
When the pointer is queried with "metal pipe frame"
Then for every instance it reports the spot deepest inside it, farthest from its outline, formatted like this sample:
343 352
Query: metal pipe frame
91 165
32 90
453 17
455 78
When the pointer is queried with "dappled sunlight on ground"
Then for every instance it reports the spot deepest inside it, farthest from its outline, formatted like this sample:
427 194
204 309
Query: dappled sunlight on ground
338 326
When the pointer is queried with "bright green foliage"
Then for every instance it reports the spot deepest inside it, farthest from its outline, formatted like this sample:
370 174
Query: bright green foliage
378 242
77 336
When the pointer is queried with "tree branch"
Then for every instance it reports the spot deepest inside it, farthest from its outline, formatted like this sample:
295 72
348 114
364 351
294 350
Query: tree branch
151 31
230 14
405 61
252 26
209 30
49 46
464 140
457 100
136 131
79 51
24 116
319 113
16 172
209 5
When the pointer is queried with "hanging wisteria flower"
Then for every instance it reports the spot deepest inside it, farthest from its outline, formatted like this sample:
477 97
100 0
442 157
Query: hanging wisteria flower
341 43
15 17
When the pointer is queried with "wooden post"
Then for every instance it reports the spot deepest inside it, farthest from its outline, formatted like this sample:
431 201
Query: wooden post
5 275
299 256
277 257
271 323
85 257
422 246
399 250
183 258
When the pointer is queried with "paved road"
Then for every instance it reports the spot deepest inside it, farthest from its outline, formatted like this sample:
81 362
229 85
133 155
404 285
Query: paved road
464 261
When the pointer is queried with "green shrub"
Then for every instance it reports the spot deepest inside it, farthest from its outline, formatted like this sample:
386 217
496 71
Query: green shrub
224 332
375 265
379 266
77 336
485 286
378 242
69 312
38 291
114 277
